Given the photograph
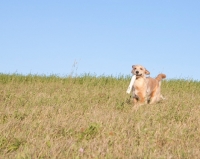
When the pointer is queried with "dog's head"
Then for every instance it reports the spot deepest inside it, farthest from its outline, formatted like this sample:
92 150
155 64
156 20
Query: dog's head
139 71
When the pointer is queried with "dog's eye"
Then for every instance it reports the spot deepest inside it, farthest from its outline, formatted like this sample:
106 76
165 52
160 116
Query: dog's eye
134 68
141 68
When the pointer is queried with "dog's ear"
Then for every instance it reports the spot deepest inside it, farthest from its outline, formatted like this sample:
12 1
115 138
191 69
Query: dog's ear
147 72
132 69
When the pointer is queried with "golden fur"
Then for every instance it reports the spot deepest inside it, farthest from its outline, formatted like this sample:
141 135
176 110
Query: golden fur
146 89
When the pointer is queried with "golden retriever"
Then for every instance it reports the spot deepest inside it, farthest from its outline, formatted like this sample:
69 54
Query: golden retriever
146 89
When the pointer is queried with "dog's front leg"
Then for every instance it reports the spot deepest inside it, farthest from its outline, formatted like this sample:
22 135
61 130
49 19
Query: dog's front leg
141 99
135 101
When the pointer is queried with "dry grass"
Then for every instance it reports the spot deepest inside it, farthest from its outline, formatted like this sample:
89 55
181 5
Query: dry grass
90 117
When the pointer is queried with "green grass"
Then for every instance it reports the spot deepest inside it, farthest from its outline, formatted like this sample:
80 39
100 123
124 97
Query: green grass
91 117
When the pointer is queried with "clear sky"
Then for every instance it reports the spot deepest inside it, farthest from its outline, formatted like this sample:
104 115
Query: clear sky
100 37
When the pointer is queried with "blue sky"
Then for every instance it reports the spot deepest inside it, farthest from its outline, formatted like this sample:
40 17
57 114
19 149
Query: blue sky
100 37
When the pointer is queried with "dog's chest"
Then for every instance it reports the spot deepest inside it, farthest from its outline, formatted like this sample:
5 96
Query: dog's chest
139 83
139 87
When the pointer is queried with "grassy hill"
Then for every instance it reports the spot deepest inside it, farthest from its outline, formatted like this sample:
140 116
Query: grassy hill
92 117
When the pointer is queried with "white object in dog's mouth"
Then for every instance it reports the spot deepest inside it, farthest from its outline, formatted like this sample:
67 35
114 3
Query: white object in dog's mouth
131 84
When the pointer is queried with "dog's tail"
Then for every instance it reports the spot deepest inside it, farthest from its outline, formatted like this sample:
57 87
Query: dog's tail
160 77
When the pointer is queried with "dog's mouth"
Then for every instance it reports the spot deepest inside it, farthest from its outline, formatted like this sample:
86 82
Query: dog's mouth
138 75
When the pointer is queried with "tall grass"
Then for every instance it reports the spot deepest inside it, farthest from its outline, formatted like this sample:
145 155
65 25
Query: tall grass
92 117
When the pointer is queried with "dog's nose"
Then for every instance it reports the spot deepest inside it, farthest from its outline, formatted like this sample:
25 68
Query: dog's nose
137 72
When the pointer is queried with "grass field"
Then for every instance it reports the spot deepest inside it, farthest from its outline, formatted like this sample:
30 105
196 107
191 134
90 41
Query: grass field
92 117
